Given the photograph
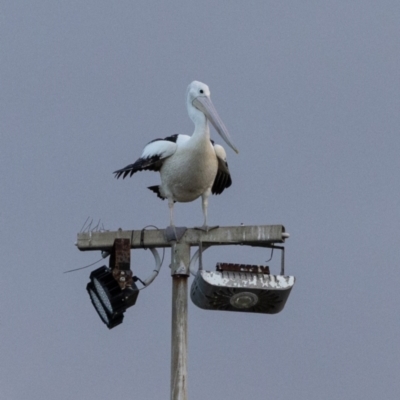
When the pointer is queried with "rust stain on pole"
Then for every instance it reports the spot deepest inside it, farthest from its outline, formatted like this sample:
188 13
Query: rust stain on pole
120 262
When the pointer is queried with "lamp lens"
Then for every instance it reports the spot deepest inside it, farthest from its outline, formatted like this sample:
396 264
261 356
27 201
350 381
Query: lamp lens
244 300
99 306
103 295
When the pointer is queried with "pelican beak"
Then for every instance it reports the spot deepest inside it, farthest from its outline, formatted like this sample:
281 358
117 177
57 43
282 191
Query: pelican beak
205 105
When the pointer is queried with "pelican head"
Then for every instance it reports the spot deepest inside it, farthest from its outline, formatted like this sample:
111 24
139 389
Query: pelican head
198 99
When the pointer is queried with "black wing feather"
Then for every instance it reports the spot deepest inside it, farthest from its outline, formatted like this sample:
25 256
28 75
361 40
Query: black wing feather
156 190
223 179
141 164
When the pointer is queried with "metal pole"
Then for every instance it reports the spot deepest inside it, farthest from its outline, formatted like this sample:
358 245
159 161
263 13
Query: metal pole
180 274
179 338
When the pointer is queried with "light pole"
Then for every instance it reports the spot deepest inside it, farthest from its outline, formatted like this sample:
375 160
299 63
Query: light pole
252 288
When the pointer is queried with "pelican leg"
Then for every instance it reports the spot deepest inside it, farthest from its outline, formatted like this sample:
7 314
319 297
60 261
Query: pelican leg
204 204
171 231
171 211
174 234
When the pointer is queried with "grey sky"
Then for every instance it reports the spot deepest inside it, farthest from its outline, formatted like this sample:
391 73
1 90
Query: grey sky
310 94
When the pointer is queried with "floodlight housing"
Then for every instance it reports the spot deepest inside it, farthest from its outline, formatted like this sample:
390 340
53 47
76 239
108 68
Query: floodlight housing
109 300
238 287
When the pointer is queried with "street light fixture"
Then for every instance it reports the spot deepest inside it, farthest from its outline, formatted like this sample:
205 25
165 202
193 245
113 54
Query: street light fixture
241 287
246 288
112 289
109 300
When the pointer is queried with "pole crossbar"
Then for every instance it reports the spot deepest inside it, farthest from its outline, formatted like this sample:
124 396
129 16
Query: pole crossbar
222 236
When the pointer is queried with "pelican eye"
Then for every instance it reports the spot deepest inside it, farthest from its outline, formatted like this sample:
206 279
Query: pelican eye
201 91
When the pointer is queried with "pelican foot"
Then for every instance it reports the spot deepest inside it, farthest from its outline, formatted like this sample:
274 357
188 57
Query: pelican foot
206 228
174 233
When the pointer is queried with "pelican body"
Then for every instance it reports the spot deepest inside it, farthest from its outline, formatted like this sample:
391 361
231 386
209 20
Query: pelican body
189 166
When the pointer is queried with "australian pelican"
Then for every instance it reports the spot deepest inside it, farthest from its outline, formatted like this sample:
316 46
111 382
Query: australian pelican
189 166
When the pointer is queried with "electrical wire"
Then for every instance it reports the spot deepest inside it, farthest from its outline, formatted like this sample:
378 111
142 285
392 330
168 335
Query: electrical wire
87 266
